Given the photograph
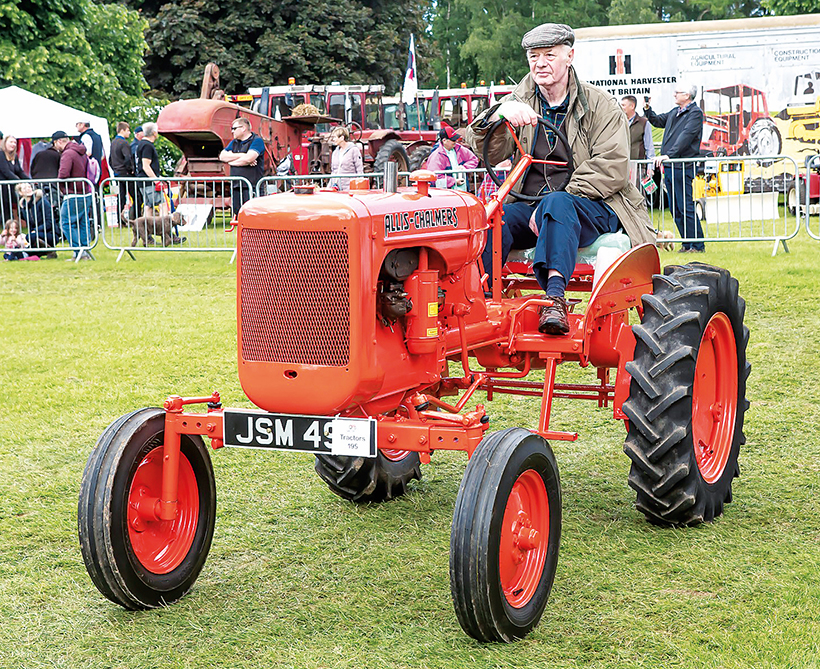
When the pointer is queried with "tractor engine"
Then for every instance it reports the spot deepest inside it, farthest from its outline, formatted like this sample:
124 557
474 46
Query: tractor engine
339 294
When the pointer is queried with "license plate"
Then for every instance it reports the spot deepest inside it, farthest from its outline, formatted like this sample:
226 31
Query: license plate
307 434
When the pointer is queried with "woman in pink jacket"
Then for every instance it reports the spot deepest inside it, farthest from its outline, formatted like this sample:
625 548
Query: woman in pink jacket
346 157
450 155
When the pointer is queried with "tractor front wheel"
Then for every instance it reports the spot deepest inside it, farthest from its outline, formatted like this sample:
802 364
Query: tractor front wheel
505 536
687 396
134 559
363 480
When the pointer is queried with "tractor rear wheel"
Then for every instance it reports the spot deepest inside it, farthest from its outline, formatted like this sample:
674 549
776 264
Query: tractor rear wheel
419 156
363 480
505 536
134 560
764 138
391 151
687 395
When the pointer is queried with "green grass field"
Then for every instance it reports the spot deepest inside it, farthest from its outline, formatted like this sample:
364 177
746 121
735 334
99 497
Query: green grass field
297 577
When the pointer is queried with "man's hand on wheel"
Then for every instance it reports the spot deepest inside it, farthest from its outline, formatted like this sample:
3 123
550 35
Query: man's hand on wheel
517 113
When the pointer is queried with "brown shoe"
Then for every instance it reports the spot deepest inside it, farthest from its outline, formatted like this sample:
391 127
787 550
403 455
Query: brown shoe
553 320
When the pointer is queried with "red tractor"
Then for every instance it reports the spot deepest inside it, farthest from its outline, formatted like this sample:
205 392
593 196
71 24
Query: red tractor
736 121
351 309
374 123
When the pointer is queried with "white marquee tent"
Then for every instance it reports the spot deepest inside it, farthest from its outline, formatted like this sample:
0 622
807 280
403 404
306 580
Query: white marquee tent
24 114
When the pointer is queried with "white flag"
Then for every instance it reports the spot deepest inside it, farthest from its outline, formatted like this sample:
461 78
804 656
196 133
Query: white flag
411 82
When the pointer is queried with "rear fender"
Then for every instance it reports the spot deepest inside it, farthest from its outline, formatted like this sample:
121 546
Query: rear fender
618 289
375 139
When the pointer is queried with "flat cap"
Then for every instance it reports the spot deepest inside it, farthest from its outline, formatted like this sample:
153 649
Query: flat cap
547 35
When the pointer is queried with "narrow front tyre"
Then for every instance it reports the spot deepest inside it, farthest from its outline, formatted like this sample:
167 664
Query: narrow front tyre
505 536
134 559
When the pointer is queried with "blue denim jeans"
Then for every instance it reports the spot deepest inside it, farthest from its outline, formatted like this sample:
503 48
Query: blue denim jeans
678 178
565 223
75 219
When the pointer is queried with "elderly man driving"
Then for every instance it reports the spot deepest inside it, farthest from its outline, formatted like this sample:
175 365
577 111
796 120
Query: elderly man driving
598 196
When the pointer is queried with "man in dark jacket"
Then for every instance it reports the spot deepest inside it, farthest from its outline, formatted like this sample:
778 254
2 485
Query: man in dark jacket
683 127
46 165
78 198
91 140
122 163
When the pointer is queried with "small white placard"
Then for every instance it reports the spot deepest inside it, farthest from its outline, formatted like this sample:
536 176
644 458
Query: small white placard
353 437
195 216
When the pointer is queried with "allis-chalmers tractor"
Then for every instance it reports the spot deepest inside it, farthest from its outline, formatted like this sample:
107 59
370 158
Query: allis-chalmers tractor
359 313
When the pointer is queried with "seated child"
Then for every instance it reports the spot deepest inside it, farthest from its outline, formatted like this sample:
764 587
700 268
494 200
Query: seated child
13 240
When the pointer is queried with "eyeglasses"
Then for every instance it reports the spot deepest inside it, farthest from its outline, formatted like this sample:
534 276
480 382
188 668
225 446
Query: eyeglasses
235 127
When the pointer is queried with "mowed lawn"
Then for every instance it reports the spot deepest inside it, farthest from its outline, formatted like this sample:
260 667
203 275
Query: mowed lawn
296 577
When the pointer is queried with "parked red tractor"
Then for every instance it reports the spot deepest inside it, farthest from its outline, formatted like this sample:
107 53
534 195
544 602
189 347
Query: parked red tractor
736 121
351 309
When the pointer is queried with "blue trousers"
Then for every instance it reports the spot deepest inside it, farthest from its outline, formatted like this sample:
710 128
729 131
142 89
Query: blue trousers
565 223
678 178
75 213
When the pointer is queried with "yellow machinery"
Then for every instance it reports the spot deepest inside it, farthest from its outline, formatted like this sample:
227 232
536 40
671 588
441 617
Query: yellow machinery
805 122
720 178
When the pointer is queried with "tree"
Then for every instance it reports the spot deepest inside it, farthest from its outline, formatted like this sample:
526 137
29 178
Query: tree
264 43
78 52
790 7
484 39
627 12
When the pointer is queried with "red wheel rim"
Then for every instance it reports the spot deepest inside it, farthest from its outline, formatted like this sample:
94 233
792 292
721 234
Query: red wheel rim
394 454
714 398
524 538
161 545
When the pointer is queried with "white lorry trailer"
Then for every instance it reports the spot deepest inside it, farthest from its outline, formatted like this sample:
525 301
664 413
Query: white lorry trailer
758 79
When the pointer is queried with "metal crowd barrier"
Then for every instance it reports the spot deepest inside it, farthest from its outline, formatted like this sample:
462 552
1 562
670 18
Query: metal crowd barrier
277 184
53 214
734 198
179 213
282 183
807 195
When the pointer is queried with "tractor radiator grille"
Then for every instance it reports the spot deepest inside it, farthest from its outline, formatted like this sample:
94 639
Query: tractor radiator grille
294 297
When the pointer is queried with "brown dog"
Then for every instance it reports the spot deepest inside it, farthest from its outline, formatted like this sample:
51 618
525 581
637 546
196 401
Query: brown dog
145 227
663 242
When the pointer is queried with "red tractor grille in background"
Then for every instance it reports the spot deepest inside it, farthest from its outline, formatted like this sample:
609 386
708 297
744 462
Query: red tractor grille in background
295 298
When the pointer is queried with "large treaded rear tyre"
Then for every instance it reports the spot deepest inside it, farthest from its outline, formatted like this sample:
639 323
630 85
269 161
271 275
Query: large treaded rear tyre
134 562
505 536
419 157
364 480
688 395
391 151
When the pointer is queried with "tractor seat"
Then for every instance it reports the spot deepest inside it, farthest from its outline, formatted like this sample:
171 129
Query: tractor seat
520 261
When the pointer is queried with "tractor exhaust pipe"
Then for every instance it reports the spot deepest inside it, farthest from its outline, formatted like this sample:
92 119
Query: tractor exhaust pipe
391 177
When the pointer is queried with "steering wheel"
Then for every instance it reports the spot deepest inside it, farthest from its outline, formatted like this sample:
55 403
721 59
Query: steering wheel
354 127
547 125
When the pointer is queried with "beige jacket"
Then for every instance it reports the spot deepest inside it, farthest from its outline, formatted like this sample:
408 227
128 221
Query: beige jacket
598 133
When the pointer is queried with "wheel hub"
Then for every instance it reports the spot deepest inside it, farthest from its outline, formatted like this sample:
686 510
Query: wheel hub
394 454
714 398
524 538
161 545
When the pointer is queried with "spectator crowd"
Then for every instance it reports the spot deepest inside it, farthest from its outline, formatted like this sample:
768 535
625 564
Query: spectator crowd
51 199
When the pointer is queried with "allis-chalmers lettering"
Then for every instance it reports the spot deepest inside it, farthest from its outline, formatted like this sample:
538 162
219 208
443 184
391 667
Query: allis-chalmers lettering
420 220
